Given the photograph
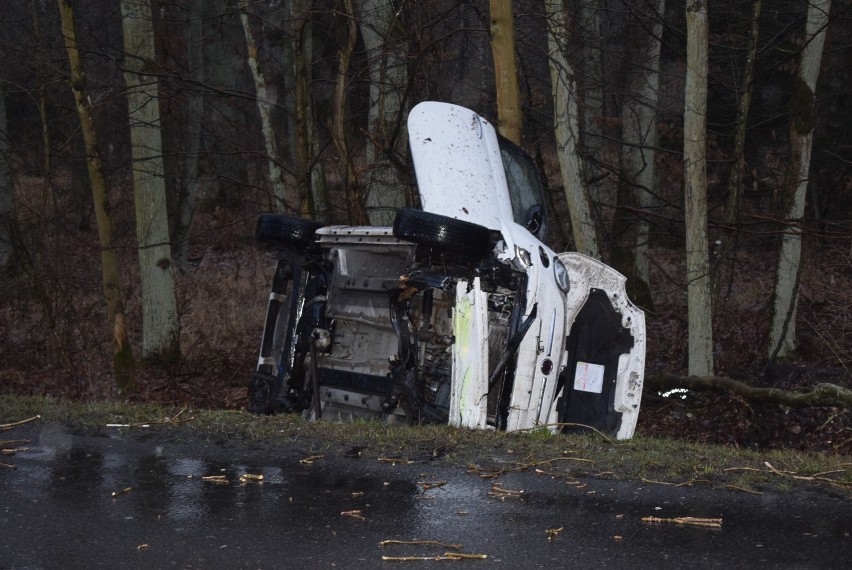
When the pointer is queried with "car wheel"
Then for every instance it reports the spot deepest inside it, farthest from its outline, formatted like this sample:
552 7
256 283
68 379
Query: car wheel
442 232
266 395
286 230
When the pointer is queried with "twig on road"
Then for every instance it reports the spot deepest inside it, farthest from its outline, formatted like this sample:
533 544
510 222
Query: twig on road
4 427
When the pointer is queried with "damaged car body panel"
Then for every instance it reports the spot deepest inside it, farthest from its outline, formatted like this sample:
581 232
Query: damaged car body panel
457 314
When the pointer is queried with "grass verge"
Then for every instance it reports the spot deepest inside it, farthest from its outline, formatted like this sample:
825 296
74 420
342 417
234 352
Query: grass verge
487 453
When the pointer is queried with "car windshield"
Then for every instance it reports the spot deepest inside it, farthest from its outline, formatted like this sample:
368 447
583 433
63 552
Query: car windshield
525 188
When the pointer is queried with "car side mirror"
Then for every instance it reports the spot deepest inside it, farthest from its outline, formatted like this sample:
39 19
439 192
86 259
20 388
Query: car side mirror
535 219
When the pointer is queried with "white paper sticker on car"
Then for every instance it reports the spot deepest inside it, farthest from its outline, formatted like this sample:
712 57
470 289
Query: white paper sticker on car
589 377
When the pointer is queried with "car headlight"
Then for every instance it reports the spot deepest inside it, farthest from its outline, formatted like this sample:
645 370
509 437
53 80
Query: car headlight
524 256
560 272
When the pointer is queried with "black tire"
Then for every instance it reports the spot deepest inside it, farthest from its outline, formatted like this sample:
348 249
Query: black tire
442 232
286 230
266 395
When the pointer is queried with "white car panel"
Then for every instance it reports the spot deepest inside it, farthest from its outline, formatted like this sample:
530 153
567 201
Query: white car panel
457 161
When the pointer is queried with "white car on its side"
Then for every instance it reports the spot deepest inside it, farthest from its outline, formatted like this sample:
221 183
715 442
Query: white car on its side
459 313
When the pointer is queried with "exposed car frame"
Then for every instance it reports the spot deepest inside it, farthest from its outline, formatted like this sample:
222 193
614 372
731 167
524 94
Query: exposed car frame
459 313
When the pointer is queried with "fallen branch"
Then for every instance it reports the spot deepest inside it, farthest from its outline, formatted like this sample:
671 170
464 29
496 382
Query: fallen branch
427 542
502 493
427 486
567 424
689 483
829 480
694 521
446 556
823 394
173 420
220 479
493 473
4 427
743 489
815 478
14 442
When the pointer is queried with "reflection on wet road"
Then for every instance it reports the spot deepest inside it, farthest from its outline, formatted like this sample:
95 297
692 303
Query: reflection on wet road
58 511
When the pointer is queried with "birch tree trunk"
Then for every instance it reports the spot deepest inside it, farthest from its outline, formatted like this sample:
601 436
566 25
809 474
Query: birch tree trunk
122 354
698 288
7 191
509 116
159 307
387 50
264 107
782 333
566 127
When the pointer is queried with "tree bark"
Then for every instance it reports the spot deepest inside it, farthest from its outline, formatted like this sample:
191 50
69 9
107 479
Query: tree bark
264 107
188 197
639 133
735 176
355 202
159 306
509 115
387 50
695 198
823 394
590 44
225 124
122 353
566 127
782 332
311 177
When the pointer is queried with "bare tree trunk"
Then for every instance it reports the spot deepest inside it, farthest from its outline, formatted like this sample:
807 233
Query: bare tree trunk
7 191
589 43
159 307
387 50
311 177
355 203
639 133
122 354
736 174
565 120
509 115
225 169
47 156
264 107
782 333
695 198
195 106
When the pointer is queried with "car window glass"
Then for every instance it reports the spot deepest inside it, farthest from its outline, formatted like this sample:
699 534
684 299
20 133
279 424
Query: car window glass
525 188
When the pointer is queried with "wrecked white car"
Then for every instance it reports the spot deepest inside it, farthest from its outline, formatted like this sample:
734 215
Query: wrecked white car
457 314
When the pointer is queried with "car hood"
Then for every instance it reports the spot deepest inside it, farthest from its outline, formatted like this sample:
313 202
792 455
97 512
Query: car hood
458 165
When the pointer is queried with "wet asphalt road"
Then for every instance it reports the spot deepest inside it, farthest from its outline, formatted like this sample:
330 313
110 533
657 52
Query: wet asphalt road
57 511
